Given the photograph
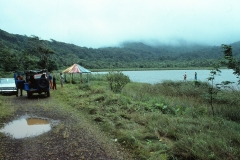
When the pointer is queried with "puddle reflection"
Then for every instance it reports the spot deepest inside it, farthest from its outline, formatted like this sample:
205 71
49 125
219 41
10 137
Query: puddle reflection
26 127
36 121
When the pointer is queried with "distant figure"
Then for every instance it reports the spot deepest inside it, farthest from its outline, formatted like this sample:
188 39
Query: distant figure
185 76
195 76
43 76
54 83
20 84
50 80
61 79
31 82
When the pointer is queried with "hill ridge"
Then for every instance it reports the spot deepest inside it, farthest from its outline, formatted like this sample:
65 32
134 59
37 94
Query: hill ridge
126 55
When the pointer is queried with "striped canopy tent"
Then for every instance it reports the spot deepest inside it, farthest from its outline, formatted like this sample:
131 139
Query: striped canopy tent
75 68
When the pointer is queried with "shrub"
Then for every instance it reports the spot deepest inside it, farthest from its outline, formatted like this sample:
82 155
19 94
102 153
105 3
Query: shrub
117 80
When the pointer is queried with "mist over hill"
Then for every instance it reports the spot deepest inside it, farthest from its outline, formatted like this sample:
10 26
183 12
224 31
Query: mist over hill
16 48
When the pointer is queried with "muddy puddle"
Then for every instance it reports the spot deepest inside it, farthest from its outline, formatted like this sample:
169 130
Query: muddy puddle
26 127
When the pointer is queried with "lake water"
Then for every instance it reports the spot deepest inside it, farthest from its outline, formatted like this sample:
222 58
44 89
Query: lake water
158 76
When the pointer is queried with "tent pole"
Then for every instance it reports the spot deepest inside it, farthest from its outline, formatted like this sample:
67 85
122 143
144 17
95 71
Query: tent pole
81 78
72 77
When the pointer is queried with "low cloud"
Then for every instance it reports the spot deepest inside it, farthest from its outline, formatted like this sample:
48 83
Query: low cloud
101 23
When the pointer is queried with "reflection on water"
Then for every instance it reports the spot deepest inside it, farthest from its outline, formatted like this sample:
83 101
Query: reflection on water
36 121
26 127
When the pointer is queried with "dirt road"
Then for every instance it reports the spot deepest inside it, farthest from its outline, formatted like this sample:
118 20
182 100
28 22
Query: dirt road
72 137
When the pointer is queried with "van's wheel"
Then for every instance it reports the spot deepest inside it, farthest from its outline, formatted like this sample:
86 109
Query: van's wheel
29 94
48 93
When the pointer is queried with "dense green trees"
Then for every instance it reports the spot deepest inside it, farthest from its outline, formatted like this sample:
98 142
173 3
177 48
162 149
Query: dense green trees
19 53
24 52
7 56
39 48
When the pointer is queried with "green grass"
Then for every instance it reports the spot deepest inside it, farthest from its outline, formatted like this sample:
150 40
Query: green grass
6 110
171 120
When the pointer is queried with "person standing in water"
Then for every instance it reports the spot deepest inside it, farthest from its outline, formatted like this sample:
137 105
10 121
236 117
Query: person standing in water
195 76
185 76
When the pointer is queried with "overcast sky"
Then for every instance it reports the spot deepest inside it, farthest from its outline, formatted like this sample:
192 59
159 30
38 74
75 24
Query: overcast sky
101 23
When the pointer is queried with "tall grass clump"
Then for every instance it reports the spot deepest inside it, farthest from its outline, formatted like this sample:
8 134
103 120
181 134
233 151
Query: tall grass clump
208 139
138 91
227 102
189 88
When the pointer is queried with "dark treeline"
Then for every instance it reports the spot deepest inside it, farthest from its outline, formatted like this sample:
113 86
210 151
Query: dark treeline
18 52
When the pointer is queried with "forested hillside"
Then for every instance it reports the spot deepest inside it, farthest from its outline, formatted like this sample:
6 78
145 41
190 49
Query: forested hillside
19 52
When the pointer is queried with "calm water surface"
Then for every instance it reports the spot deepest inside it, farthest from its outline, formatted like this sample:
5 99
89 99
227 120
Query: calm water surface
158 76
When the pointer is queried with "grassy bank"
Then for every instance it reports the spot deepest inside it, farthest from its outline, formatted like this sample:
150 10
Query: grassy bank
6 110
171 120
162 121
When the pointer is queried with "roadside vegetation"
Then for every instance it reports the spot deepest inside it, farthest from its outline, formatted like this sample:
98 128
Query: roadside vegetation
6 111
169 120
